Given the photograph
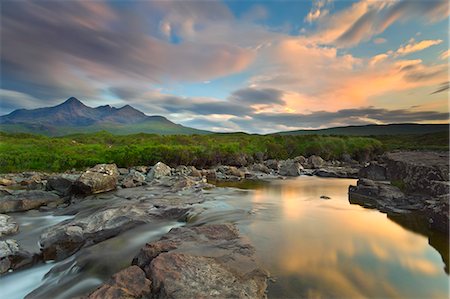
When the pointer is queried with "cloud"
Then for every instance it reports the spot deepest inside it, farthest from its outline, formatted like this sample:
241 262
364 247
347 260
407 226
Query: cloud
258 96
365 19
414 46
52 49
379 40
444 55
319 9
444 87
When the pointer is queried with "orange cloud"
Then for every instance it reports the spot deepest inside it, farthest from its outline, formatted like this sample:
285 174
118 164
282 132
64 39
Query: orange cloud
414 46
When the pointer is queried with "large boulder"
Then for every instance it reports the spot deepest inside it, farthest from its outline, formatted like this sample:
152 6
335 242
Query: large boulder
315 162
210 261
229 173
272 164
62 184
20 201
159 170
128 283
418 170
100 178
290 168
64 239
12 256
259 167
336 172
7 225
373 171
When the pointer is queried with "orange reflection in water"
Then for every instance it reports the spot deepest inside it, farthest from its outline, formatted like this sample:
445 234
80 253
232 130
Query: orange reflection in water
335 249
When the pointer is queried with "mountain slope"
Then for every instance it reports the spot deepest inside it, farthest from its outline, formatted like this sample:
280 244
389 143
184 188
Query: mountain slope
73 116
367 130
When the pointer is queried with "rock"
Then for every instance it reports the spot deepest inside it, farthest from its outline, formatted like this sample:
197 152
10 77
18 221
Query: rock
133 179
192 171
210 174
373 171
416 170
63 239
128 283
100 178
325 197
315 162
7 225
272 164
12 256
346 158
210 261
123 171
6 182
259 167
27 200
290 168
141 169
229 173
337 172
302 160
158 170
62 184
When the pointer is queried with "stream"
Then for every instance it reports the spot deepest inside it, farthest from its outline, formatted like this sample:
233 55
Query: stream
307 235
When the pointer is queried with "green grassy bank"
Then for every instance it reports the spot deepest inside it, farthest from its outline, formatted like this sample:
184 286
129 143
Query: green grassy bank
21 152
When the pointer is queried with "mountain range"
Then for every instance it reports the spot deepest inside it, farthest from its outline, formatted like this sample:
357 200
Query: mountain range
73 116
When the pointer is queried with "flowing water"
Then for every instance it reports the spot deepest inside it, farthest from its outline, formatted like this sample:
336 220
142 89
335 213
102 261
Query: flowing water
313 247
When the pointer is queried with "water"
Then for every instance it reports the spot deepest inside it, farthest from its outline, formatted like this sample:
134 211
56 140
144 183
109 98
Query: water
313 247
327 248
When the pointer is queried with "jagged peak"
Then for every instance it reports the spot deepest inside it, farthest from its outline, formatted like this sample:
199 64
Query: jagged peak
73 102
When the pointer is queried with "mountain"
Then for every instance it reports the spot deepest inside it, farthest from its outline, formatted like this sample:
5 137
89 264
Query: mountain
367 130
73 116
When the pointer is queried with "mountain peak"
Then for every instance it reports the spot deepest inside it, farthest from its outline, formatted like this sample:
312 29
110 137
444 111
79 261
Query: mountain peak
72 101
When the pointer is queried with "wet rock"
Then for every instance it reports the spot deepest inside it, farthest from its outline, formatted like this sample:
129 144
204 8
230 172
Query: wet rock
123 171
7 225
229 173
133 179
210 261
6 182
192 171
12 256
325 197
100 178
373 171
128 283
62 240
272 164
315 162
27 200
158 170
290 168
62 184
259 167
337 172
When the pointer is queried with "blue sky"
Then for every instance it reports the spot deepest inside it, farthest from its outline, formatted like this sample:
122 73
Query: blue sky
255 66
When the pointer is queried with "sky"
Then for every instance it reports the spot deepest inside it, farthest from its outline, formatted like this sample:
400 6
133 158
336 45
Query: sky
253 66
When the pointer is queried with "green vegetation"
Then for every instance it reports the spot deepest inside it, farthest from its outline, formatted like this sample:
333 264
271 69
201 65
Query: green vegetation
20 152
434 141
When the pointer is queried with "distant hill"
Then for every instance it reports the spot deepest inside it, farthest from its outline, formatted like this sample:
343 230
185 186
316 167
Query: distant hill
367 130
73 116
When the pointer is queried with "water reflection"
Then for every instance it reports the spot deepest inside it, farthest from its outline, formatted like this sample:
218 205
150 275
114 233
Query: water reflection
323 248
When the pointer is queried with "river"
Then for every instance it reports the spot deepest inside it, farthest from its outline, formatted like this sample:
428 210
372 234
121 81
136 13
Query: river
307 235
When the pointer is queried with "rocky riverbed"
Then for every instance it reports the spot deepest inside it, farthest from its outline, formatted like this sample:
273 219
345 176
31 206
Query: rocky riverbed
105 201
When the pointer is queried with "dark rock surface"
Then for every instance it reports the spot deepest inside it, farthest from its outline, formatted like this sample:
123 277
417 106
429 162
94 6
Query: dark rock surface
12 256
128 283
403 182
19 201
210 261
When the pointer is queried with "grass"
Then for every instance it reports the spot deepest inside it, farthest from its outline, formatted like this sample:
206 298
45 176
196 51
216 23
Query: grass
22 152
